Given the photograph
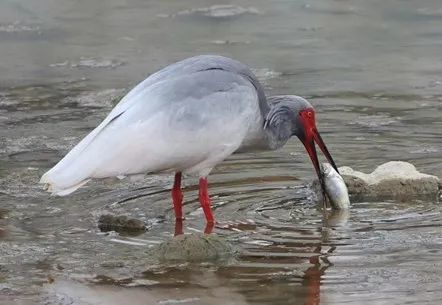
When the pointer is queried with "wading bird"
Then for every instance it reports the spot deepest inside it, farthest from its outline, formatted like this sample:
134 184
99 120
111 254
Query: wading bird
187 118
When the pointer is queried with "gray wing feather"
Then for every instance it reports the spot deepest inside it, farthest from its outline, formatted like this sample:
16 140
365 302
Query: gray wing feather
190 66
177 70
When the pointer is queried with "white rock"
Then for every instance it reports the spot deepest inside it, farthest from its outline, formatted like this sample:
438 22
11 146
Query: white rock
387 171
395 180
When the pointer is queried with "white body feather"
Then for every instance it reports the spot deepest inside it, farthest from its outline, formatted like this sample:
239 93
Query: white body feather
187 122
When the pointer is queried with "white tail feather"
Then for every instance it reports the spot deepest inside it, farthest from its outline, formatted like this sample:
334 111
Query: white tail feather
75 169
58 190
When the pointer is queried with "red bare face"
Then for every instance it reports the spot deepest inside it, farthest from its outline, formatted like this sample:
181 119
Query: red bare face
308 121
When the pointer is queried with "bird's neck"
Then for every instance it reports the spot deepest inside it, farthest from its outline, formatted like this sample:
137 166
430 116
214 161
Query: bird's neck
277 128
275 135
262 139
274 140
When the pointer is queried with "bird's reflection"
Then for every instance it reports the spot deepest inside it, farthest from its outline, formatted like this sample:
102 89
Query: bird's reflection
319 262
312 276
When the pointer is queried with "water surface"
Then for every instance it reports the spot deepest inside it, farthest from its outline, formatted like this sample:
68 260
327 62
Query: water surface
371 68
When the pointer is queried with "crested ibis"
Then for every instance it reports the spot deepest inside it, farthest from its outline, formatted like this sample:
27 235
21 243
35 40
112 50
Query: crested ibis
185 119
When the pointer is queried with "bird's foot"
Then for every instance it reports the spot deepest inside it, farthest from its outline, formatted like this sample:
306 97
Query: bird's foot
209 227
178 226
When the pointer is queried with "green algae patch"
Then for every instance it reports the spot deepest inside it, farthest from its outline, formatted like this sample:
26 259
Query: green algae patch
121 224
196 247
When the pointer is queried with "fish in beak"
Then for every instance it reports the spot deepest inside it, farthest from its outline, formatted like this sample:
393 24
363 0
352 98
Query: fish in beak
309 135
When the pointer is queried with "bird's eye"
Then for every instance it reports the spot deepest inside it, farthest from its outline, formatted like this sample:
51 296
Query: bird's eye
306 114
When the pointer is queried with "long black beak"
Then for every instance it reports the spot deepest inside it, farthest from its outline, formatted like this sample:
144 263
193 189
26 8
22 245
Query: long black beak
324 149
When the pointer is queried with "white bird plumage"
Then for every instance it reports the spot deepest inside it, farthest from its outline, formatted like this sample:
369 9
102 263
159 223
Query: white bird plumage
169 122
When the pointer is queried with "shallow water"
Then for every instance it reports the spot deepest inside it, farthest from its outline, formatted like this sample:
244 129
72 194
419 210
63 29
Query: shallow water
371 68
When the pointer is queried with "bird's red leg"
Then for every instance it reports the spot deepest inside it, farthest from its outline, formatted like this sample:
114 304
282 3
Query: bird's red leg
209 228
178 227
177 197
205 200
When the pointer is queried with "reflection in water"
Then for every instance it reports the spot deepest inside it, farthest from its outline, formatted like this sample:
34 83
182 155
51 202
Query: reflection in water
373 74
314 274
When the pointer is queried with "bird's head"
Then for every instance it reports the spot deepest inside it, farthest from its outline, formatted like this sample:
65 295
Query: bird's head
292 115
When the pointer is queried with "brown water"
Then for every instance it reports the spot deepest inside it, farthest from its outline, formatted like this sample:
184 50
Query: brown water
373 69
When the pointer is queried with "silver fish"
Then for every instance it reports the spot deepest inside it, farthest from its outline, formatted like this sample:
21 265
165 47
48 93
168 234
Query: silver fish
335 188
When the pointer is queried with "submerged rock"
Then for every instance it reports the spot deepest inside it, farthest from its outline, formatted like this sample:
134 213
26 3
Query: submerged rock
392 180
3 213
121 224
196 247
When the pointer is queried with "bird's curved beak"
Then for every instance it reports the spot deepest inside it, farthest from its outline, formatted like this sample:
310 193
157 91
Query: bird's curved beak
309 136
309 144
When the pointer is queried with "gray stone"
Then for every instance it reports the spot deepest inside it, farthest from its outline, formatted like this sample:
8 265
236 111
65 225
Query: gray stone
121 224
196 247
392 180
